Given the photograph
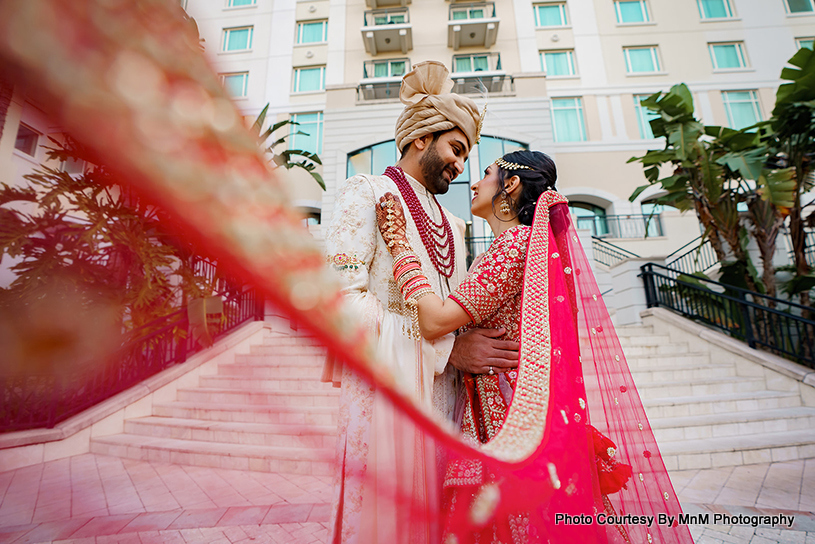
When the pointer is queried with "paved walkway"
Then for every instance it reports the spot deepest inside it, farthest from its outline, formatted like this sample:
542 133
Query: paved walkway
95 499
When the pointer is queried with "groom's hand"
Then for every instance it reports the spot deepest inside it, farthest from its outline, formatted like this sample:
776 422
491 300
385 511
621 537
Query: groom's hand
476 350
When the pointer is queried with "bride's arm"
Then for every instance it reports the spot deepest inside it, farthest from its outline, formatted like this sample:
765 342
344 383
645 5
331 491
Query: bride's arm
437 317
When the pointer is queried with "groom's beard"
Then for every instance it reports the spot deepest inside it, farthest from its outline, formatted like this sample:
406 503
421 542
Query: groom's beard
433 168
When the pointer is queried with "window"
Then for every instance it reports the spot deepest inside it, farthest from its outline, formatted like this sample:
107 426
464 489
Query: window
237 39
472 63
631 11
727 56
458 14
550 14
714 9
26 140
311 124
235 84
644 116
799 6
387 68
742 108
558 63
73 166
309 79
589 216
805 42
390 18
567 120
312 32
183 4
641 60
240 3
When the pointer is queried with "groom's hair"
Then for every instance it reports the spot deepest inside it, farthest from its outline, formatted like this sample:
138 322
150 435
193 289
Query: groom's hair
540 176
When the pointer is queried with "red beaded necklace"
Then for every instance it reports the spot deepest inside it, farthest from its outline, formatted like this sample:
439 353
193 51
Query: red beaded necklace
442 254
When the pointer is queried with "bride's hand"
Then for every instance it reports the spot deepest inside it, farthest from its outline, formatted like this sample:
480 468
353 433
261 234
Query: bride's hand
392 224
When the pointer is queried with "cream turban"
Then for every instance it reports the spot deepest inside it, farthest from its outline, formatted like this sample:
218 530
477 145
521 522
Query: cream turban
431 107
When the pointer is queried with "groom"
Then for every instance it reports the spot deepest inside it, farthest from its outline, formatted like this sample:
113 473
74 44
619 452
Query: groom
387 487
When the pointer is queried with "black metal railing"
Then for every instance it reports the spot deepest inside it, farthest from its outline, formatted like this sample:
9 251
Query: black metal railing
622 226
476 245
781 327
609 254
390 16
36 400
694 256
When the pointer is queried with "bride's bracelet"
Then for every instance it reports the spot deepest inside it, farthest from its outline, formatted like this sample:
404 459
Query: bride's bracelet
407 271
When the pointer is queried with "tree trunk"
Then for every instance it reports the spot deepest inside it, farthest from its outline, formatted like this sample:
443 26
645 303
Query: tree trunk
797 232
6 92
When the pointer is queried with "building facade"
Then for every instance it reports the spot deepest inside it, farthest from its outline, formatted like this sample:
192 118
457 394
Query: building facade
564 77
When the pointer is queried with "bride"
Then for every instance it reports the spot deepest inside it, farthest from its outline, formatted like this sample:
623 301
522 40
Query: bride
536 415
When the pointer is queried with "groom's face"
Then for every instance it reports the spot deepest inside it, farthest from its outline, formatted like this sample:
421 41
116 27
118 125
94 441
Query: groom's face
443 160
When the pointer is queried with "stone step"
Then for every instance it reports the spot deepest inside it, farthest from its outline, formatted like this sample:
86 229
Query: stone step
694 373
313 461
668 362
272 371
286 350
213 396
278 383
634 330
750 401
280 414
258 434
700 388
279 359
733 424
662 349
738 450
648 340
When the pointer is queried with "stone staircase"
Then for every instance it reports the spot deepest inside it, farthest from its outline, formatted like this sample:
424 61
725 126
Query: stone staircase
704 414
265 411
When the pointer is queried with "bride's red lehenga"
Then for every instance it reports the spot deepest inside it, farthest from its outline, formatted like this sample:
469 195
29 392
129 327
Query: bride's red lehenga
542 463
560 406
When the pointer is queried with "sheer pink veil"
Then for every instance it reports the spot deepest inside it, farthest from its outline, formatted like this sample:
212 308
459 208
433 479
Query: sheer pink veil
544 467
614 404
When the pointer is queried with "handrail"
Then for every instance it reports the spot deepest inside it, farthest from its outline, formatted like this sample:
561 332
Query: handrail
779 326
705 256
43 400
608 254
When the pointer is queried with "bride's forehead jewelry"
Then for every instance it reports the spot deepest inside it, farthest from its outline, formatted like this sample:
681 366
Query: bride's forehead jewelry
506 165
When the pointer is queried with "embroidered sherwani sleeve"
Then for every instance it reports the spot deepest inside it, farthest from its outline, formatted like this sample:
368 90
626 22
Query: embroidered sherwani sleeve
497 277
351 246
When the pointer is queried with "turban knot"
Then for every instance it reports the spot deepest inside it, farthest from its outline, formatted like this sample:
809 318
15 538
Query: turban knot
431 107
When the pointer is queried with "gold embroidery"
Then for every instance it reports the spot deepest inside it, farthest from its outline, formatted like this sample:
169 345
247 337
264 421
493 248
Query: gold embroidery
667 497
611 452
341 261
582 403
525 423
642 478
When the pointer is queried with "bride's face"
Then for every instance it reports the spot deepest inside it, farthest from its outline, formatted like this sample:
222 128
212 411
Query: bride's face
484 191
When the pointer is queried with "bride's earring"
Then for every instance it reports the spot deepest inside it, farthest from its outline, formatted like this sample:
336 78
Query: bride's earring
504 206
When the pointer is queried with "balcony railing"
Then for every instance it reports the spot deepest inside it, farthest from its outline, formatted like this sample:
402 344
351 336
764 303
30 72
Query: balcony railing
622 226
474 74
387 30
382 80
609 254
392 16
473 24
